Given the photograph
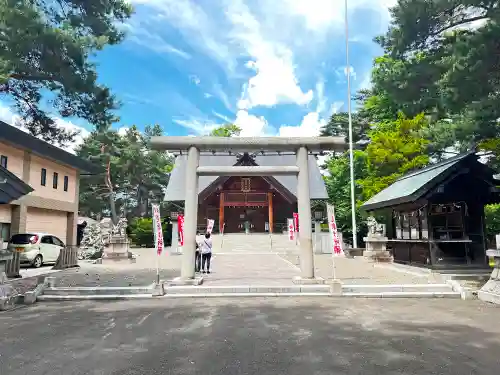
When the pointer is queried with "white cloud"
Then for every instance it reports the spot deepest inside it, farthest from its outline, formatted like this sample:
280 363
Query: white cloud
351 71
139 34
267 40
197 126
275 80
123 130
309 127
250 125
9 117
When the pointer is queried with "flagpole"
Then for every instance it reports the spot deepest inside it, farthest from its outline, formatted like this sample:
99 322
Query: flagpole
351 157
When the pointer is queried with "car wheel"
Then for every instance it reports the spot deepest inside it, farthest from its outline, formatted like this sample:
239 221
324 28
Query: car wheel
38 261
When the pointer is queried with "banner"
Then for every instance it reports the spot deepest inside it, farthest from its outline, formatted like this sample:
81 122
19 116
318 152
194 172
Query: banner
180 221
291 230
210 225
332 224
295 222
157 229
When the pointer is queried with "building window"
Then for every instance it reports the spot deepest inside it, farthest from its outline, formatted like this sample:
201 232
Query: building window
43 177
54 180
66 183
3 161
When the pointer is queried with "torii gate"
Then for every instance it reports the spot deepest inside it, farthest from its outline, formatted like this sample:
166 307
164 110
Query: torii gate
301 146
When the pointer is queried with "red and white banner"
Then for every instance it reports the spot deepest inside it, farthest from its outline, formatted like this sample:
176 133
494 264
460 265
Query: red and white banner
210 225
157 229
180 220
332 224
295 222
291 230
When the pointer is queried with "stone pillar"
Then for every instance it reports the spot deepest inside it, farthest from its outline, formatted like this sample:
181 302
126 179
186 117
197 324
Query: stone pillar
490 292
18 219
71 229
190 213
304 210
72 220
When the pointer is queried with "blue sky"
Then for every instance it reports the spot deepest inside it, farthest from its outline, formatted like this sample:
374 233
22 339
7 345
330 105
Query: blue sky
273 67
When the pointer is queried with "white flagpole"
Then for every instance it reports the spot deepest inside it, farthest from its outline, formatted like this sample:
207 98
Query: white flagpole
351 157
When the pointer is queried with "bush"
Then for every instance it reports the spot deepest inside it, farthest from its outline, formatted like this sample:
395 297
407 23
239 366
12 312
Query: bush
140 231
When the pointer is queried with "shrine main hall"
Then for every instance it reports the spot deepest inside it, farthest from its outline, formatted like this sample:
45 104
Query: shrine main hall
260 204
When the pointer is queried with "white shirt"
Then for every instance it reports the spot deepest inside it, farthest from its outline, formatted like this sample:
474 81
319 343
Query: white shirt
206 245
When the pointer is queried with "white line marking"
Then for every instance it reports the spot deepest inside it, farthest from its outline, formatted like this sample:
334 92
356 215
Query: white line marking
143 319
289 263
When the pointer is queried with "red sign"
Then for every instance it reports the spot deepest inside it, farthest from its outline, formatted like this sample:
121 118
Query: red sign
291 230
180 219
337 246
296 221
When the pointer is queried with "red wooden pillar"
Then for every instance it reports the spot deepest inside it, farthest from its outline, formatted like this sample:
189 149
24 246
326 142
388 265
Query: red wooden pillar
270 207
221 212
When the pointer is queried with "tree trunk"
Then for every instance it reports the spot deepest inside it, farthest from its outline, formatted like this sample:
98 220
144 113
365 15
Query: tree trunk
112 207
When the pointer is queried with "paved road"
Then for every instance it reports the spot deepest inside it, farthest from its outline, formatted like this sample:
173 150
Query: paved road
252 336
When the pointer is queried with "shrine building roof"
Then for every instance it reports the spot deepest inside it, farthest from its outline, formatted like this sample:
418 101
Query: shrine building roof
176 187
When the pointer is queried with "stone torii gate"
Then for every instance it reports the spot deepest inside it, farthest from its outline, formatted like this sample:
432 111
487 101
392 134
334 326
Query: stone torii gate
301 146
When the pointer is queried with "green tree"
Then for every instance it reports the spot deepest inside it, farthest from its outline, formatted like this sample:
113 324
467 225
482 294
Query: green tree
492 220
45 66
138 175
338 186
395 148
436 63
227 130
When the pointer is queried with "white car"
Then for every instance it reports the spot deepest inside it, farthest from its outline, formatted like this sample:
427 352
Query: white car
36 248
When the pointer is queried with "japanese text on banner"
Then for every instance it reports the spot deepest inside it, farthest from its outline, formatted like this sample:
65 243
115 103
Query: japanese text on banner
210 225
157 229
337 246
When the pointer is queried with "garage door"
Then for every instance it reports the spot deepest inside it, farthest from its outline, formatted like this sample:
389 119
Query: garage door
48 221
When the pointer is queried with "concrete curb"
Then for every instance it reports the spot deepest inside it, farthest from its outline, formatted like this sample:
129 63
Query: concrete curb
248 289
404 295
465 293
104 297
489 297
223 295
31 297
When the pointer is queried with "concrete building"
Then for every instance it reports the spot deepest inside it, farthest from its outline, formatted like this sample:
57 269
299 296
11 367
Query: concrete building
52 173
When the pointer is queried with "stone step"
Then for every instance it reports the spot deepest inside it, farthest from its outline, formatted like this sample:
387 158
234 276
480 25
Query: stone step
403 295
410 288
96 291
104 297
243 289
466 276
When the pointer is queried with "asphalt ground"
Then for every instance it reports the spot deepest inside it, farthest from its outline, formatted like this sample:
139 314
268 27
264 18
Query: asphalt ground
293 336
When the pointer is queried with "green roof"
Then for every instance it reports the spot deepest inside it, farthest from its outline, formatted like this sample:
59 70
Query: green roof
414 185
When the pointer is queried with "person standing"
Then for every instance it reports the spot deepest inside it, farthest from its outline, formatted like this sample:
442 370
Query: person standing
197 255
206 253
